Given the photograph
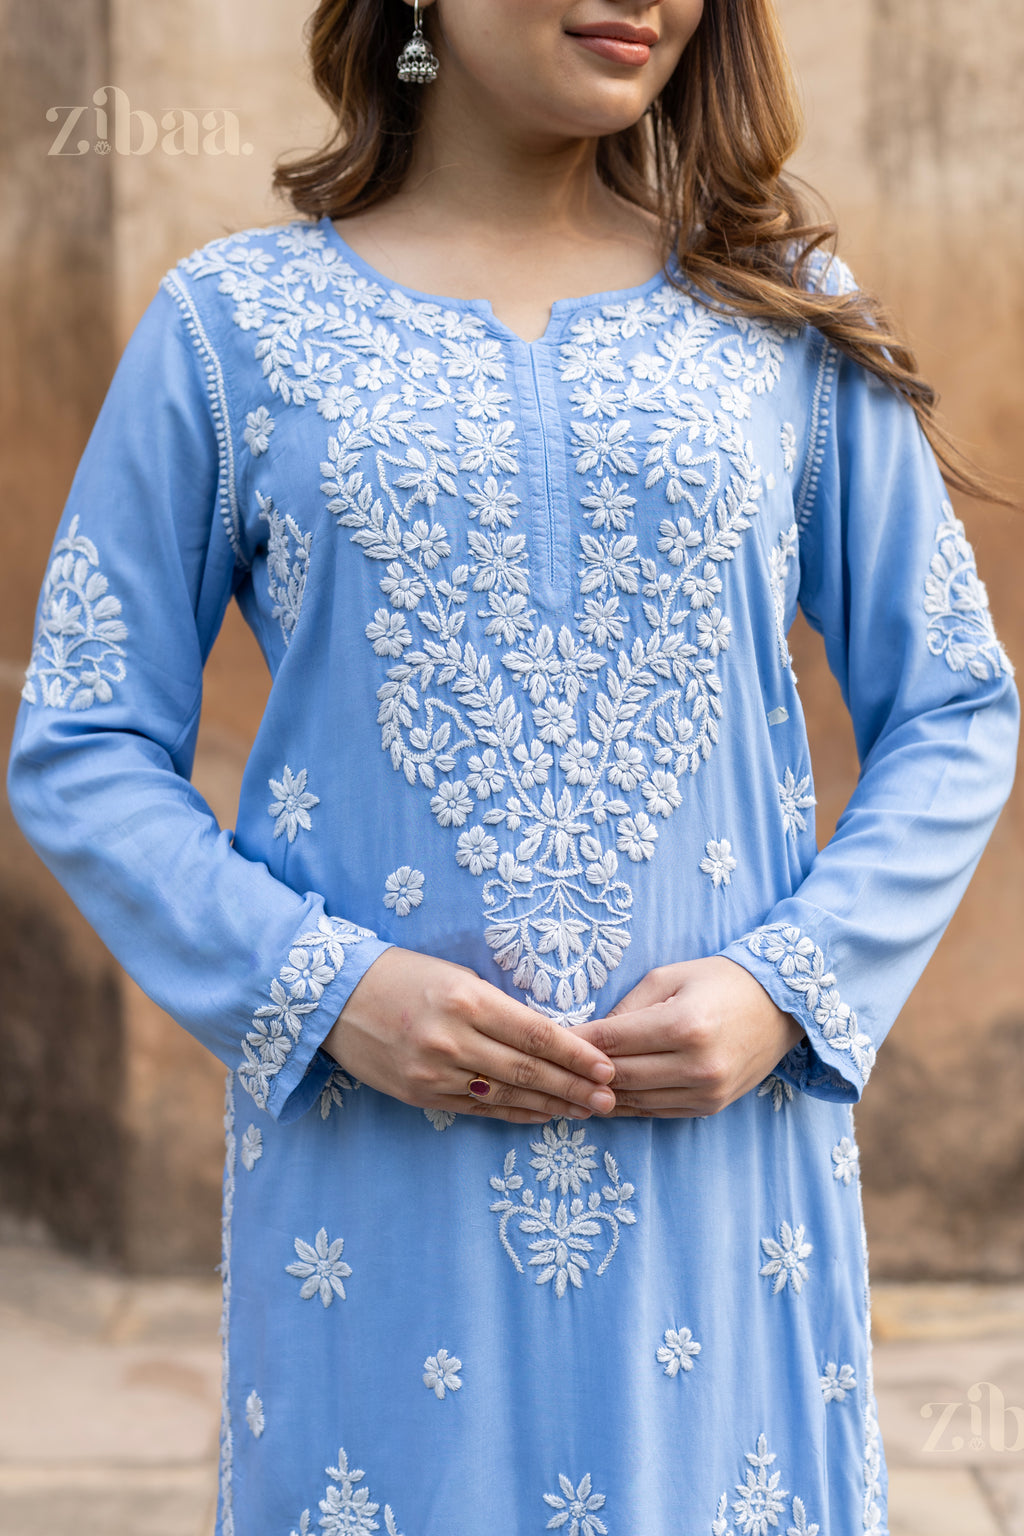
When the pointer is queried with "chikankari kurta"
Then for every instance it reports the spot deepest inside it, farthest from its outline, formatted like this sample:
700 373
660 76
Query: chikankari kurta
524 606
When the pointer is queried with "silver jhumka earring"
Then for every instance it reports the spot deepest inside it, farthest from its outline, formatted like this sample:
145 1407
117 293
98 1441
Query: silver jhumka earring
417 62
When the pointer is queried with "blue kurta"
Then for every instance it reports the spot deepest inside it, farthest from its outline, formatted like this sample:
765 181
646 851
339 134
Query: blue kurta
525 609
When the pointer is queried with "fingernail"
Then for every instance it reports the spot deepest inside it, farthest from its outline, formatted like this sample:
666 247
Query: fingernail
603 1072
603 1101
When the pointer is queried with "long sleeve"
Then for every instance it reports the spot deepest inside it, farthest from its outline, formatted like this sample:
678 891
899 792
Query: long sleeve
889 580
141 572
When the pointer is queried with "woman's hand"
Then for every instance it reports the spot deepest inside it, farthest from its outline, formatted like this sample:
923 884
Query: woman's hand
691 1038
419 1029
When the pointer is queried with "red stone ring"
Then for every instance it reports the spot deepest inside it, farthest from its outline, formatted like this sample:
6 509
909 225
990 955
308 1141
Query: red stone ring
479 1087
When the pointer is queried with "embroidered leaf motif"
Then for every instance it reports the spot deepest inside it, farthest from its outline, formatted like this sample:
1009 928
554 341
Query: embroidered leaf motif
78 655
960 628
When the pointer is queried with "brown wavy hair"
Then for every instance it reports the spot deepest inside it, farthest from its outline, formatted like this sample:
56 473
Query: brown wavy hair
707 160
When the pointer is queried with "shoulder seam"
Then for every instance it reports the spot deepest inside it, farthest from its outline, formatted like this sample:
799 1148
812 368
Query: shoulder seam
218 398
821 416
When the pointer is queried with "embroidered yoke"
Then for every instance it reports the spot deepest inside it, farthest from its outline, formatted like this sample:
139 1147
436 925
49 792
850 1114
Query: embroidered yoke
525 609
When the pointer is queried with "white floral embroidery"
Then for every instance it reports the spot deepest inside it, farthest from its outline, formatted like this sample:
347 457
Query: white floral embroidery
226 1457
781 1091
440 1119
346 1509
778 568
795 797
254 1415
403 890
562 1236
78 658
321 1267
718 863
332 1094
278 1024
837 1381
785 1262
846 1157
259 424
801 964
678 1351
252 1148
787 440
960 626
576 1509
761 1501
441 1373
288 552
292 804
874 1510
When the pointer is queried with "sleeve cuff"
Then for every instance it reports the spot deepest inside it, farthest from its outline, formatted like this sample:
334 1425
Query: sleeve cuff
835 1060
282 1065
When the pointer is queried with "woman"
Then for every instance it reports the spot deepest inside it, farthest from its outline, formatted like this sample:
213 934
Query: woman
522 560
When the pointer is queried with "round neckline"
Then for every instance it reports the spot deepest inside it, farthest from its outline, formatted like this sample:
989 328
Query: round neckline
561 309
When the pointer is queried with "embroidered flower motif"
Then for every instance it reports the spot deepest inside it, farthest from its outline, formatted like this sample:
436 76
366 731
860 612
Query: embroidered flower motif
440 1373
292 805
761 1501
637 837
78 657
563 1158
781 1091
251 1149
795 797
403 890
476 851
787 440
960 628
440 1119
678 1351
786 1259
321 1268
846 1157
451 805
801 964
718 862
259 424
837 1381
576 1509
563 1235
254 1415
288 556
346 1509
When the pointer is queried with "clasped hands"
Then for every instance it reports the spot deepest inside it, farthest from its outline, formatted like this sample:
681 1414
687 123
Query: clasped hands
688 1040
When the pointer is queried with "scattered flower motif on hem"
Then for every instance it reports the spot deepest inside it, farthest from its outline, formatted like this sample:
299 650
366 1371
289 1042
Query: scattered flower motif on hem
576 1509
254 1415
403 890
440 1373
259 424
321 1268
960 628
846 1156
761 1501
786 1259
563 1235
77 659
292 804
795 797
678 1351
718 862
252 1147
347 1510
837 1381
781 1091
440 1119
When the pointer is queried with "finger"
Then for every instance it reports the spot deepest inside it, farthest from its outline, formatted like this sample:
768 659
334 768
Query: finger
656 987
646 1032
517 1114
534 1034
557 1088
627 1112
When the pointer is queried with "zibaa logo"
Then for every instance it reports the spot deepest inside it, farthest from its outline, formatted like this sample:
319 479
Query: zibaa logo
127 130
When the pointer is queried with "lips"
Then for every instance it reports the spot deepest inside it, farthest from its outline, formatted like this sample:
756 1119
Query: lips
617 41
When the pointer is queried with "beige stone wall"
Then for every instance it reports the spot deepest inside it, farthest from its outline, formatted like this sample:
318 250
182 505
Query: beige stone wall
916 138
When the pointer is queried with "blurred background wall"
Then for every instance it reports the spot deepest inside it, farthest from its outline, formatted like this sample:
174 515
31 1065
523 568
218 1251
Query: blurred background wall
110 1133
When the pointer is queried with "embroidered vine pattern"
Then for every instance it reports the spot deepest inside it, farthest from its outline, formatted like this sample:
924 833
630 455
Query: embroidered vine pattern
78 657
761 1500
779 560
801 964
313 963
346 1507
563 1235
288 549
960 628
